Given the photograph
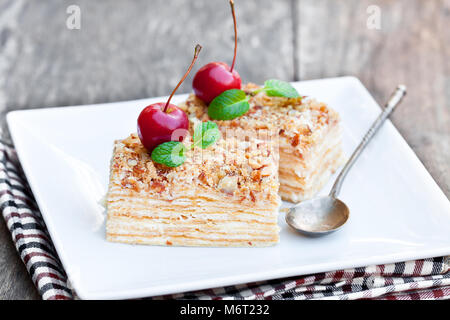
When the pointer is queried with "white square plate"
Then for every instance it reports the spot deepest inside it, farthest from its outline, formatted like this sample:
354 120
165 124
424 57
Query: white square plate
397 210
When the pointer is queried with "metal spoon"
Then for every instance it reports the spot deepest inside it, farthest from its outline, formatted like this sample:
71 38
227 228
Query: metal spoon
326 214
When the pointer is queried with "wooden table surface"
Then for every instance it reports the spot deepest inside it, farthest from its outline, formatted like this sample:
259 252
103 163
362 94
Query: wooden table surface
138 48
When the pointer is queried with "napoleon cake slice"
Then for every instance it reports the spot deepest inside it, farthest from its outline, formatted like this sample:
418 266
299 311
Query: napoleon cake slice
222 196
310 147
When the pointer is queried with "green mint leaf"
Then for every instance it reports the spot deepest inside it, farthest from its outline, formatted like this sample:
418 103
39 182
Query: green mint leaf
278 88
169 153
205 134
228 105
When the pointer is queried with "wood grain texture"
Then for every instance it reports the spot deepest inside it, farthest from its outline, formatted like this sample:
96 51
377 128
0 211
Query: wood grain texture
139 48
411 47
135 49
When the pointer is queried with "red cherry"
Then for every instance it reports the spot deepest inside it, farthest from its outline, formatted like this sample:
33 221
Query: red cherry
158 122
216 77
213 79
155 126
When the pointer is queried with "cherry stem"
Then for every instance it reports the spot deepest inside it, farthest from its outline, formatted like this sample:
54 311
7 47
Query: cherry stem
196 53
235 34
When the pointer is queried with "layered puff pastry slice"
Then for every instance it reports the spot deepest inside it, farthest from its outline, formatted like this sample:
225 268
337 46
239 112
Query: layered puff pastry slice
310 147
222 196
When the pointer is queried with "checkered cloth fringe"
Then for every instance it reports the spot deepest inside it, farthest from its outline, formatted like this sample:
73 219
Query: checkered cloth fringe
421 279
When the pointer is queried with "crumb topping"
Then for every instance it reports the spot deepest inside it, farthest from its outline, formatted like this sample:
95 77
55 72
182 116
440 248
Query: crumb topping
231 166
299 121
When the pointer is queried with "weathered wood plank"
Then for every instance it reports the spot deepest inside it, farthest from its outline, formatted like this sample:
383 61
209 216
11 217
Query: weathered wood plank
135 49
412 47
125 50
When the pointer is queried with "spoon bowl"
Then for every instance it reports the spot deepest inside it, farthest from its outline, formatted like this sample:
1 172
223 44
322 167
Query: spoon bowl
318 216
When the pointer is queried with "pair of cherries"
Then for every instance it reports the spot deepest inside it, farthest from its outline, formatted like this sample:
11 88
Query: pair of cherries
158 121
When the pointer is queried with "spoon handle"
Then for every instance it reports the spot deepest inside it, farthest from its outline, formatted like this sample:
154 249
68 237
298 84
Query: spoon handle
393 101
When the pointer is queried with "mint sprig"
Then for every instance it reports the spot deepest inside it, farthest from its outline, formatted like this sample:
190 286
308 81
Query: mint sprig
205 134
170 154
229 105
278 88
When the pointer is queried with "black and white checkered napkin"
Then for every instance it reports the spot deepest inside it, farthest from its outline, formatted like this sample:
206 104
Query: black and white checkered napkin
420 279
